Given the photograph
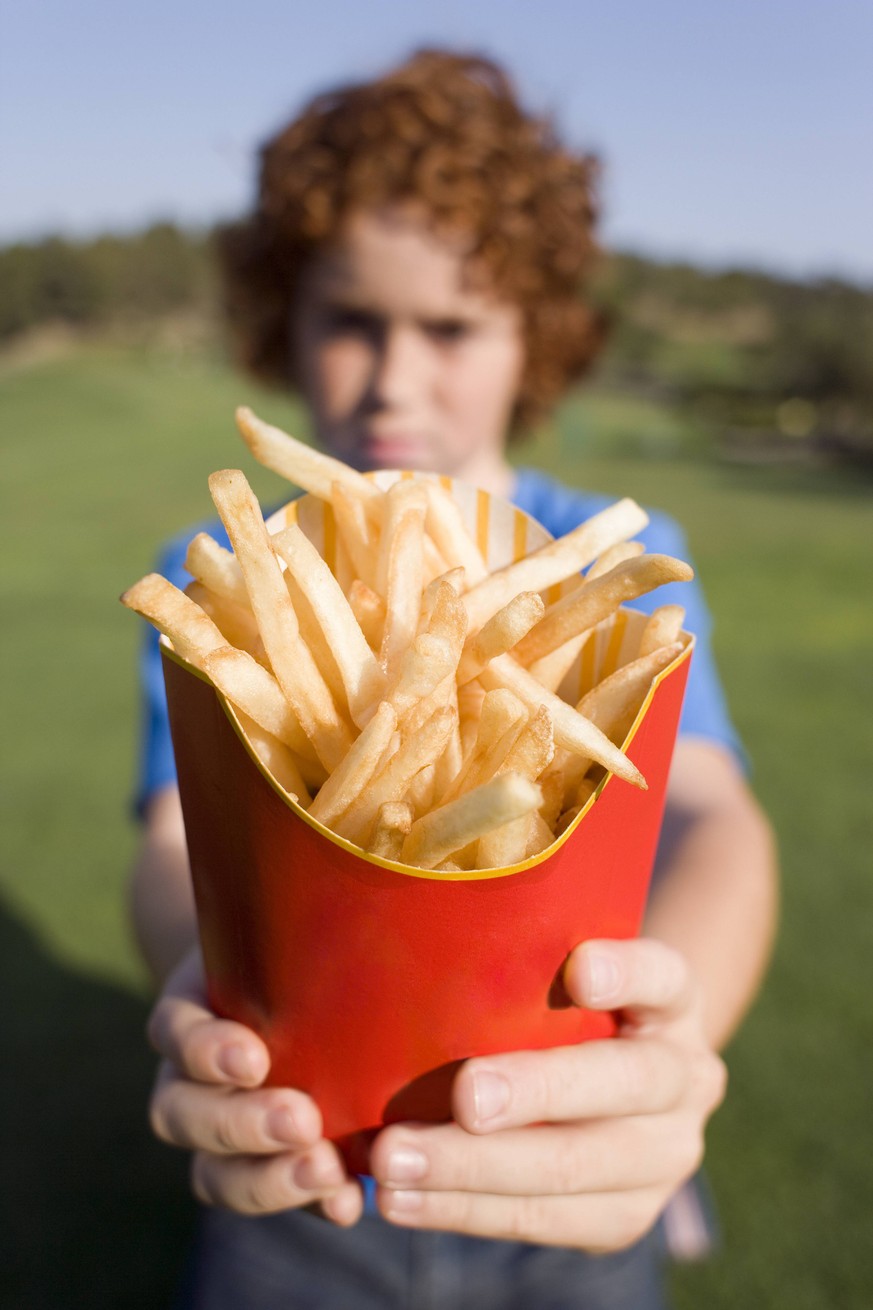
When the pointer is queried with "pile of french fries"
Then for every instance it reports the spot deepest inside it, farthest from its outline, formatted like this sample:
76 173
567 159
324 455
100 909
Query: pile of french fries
408 700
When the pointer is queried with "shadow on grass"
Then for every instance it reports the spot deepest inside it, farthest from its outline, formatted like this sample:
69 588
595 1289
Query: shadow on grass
94 1212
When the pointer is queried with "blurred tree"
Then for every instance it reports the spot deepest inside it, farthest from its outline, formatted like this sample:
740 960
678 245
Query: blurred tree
147 275
724 350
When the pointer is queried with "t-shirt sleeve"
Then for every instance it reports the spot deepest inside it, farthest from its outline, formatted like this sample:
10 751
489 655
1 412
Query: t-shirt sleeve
156 766
704 713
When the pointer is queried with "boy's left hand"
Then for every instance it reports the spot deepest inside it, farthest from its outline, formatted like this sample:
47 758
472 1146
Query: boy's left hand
580 1146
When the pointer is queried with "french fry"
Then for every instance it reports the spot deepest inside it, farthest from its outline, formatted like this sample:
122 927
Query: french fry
447 530
342 568
235 622
448 765
296 672
587 788
433 564
369 609
392 827
455 579
613 556
402 500
572 730
502 718
534 748
613 704
300 464
500 634
391 782
597 600
540 836
313 638
529 755
353 773
555 561
277 759
421 791
552 669
249 687
552 784
470 699
506 845
424 665
216 568
192 632
436 836
662 629
356 532
448 618
443 696
362 678
401 570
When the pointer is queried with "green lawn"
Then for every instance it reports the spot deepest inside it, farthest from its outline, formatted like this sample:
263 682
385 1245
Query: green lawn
106 452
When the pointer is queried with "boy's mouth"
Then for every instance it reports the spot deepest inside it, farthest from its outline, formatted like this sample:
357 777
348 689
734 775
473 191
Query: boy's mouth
393 449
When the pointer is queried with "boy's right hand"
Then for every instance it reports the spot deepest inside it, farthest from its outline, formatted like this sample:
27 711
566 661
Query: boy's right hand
256 1149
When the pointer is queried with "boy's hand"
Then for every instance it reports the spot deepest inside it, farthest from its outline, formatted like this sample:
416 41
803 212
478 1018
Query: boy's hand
580 1146
256 1150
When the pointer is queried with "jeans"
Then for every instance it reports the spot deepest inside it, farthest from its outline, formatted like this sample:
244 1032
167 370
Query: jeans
297 1261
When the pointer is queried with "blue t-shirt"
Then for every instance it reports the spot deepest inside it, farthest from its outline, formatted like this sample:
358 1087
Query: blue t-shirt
559 509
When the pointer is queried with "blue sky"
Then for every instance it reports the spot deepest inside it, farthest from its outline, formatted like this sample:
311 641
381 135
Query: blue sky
731 132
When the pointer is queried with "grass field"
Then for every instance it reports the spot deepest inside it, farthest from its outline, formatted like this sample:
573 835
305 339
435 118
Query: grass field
105 453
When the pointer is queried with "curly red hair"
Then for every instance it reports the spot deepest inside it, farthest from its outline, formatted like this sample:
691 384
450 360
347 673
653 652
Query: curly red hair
444 131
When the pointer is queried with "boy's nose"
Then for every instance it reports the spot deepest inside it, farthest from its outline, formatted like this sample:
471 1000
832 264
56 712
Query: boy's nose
401 367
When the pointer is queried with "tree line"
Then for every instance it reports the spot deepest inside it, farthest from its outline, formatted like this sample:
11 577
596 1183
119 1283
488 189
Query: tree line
745 352
96 283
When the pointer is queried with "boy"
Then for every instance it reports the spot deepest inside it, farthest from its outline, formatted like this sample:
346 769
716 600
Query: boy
413 269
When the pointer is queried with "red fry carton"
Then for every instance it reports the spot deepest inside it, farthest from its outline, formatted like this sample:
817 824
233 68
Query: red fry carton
370 981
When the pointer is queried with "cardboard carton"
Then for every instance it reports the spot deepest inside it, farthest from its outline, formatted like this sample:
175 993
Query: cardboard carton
371 981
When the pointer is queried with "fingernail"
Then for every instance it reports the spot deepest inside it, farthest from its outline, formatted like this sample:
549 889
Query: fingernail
282 1126
405 1203
490 1095
314 1175
239 1064
406 1165
604 977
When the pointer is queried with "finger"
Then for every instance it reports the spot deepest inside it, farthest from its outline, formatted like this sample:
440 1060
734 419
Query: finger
602 1156
224 1121
645 978
598 1223
188 978
205 1048
345 1206
264 1185
591 1081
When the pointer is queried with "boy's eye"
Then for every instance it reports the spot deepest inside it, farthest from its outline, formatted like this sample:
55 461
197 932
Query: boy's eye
351 321
449 330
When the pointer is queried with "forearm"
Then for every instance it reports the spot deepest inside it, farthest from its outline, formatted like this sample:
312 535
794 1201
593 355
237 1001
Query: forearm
161 897
715 897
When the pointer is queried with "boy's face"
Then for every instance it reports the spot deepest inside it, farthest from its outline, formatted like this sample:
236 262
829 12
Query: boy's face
402 365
